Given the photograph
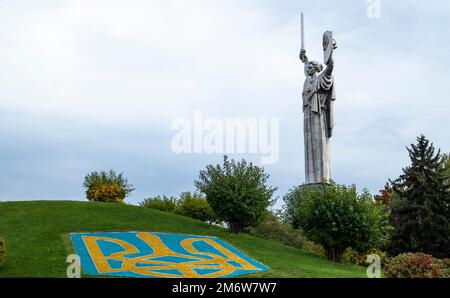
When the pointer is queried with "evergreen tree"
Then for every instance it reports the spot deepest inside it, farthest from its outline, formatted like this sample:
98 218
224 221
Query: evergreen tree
446 165
421 213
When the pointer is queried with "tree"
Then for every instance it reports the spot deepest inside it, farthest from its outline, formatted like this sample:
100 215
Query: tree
195 205
292 201
237 192
421 214
446 165
386 195
337 217
165 204
107 187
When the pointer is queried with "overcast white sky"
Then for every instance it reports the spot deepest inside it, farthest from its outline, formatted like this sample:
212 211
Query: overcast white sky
94 85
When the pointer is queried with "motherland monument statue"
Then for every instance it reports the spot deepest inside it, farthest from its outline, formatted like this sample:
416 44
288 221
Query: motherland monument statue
318 99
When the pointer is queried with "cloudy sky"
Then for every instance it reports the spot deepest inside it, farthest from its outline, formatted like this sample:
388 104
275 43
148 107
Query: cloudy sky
95 85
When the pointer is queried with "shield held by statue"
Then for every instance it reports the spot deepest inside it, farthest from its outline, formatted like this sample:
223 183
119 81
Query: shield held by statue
328 46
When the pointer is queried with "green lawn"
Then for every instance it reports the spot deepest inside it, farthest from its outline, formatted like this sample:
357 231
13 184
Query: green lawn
36 235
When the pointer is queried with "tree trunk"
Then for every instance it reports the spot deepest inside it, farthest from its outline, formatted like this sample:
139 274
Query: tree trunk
235 227
334 253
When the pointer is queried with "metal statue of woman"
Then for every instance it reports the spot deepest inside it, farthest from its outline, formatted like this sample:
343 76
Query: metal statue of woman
318 98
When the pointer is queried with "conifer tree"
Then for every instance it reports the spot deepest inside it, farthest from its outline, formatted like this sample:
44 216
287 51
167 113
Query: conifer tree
421 214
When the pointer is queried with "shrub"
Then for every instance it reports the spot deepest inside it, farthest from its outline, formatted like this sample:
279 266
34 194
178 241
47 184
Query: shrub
195 206
192 205
272 228
166 204
414 265
355 257
2 251
237 192
110 192
446 263
337 217
107 187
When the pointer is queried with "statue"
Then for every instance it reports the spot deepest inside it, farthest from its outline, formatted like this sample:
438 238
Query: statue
318 98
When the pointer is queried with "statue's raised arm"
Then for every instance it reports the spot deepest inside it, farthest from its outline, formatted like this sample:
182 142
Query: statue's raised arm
303 56
329 56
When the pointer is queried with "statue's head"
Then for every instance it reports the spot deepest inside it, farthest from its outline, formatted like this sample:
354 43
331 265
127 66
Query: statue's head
313 67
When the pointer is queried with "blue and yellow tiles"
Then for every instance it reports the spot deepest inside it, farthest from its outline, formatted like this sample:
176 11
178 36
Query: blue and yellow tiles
144 254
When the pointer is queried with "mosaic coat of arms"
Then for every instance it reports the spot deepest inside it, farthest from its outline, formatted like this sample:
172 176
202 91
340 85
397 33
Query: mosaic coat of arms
144 254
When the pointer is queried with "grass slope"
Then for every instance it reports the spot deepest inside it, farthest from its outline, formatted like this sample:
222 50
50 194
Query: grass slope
36 235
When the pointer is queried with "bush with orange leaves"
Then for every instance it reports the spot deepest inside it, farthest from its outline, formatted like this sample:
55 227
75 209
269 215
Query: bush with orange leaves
415 265
107 187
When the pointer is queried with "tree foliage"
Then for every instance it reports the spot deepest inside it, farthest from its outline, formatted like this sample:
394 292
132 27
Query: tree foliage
415 265
337 217
386 196
195 205
165 204
421 214
292 201
446 165
107 187
272 228
237 192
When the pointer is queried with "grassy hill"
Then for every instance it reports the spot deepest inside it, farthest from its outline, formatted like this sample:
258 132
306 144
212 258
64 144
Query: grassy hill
36 235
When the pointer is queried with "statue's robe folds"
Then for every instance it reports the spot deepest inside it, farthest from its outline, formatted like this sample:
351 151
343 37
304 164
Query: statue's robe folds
318 98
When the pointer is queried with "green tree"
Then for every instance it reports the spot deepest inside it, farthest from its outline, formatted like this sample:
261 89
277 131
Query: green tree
292 201
195 205
421 214
107 187
337 217
446 165
165 204
237 192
